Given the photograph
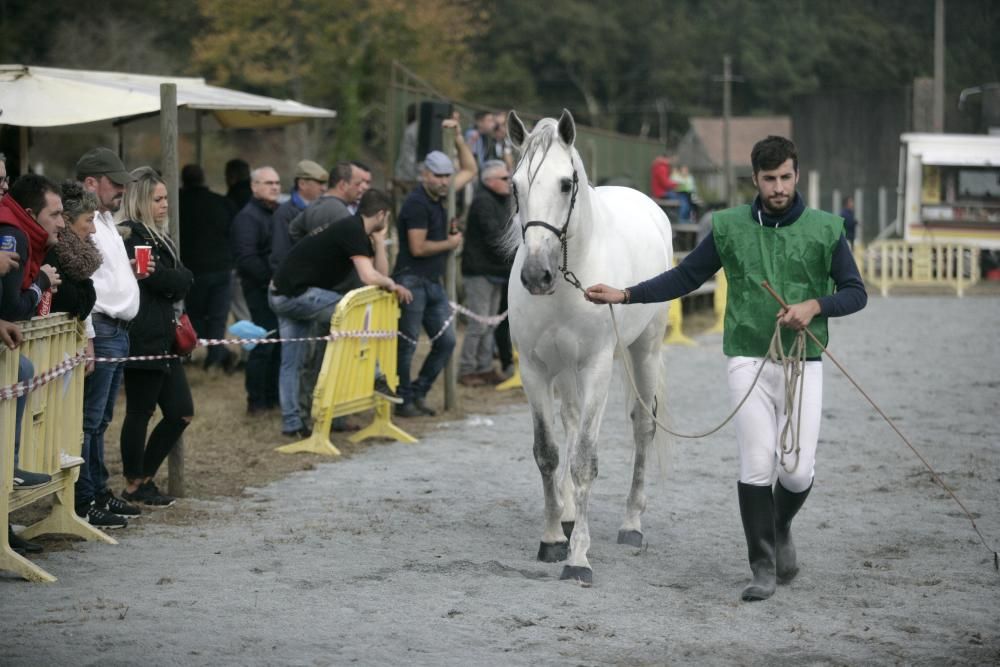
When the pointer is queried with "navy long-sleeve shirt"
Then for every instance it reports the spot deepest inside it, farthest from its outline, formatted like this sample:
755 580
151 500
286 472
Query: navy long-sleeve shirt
704 262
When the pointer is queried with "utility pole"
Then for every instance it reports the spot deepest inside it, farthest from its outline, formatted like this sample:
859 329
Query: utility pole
938 66
727 112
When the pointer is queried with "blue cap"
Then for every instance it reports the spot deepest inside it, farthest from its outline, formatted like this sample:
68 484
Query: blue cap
438 163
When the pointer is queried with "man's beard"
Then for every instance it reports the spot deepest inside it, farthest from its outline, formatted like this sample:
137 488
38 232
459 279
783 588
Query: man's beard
773 208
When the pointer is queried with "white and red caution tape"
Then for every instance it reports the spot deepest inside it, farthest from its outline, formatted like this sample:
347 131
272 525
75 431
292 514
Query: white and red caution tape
21 388
28 386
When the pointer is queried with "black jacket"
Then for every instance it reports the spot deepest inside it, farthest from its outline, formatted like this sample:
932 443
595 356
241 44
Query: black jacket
251 239
205 221
152 329
484 233
75 295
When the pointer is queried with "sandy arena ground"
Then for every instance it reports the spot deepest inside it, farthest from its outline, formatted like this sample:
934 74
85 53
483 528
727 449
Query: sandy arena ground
425 554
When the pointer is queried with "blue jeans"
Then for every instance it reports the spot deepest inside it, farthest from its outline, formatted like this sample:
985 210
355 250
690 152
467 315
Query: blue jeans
298 317
25 371
684 211
429 309
100 391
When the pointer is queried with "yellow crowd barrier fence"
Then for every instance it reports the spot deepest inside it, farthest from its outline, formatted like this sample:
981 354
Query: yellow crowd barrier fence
889 264
52 425
347 376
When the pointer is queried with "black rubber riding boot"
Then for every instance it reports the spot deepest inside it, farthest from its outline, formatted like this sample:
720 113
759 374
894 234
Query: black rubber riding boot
757 511
786 506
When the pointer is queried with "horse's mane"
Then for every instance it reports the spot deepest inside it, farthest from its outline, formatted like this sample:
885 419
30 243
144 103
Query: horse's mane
537 145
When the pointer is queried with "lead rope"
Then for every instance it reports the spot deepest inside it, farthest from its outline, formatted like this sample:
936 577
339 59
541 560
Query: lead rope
795 376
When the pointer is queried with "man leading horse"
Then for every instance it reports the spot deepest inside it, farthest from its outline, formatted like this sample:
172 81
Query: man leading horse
804 254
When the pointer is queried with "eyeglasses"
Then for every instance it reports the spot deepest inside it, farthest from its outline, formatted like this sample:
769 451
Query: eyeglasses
5 180
268 182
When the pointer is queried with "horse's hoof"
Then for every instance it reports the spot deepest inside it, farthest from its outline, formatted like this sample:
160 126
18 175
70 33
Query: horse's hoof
633 538
582 575
568 528
553 553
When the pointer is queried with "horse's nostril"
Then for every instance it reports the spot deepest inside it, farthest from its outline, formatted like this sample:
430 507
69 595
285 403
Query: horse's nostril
524 281
547 277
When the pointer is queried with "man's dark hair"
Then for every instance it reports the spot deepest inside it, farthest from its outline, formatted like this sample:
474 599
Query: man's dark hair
237 170
340 172
192 176
29 191
771 153
481 114
374 201
361 165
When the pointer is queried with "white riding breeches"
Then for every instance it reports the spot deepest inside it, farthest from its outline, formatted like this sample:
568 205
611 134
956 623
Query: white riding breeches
761 419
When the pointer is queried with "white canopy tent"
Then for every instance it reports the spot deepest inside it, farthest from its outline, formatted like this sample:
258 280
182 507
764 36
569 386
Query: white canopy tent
68 99
50 97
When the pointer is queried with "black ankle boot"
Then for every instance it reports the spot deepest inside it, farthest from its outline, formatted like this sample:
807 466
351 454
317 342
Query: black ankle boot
786 506
21 545
757 511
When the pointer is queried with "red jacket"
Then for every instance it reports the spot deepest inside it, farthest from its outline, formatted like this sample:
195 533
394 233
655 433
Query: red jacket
659 178
11 213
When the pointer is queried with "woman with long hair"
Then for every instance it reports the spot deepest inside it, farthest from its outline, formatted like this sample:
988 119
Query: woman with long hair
75 256
156 382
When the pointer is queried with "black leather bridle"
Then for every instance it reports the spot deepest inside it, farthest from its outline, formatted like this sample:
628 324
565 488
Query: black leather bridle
560 233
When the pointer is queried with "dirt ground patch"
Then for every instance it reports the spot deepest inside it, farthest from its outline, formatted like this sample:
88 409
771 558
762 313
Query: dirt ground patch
425 554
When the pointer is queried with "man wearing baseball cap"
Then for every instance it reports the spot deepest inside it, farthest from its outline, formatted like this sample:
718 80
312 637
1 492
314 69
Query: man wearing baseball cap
424 243
101 171
310 182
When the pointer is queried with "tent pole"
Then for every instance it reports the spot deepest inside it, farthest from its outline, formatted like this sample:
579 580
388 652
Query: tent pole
24 161
197 137
168 147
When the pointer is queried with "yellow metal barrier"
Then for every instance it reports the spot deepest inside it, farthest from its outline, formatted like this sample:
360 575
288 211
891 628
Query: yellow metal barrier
52 424
891 264
675 321
719 302
514 381
346 379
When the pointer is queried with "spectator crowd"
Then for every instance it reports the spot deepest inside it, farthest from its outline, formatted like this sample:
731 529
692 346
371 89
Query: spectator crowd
98 247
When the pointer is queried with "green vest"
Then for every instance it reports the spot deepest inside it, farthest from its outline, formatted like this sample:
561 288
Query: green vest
794 259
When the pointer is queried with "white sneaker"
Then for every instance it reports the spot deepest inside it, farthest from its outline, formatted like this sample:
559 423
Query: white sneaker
69 461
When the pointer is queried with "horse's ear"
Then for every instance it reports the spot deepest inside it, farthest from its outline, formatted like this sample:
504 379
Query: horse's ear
567 128
515 129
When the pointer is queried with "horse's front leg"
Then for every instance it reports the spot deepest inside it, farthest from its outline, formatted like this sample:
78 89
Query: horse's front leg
569 410
554 545
644 354
593 385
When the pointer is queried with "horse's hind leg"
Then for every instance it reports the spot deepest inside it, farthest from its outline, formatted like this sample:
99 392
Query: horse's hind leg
644 355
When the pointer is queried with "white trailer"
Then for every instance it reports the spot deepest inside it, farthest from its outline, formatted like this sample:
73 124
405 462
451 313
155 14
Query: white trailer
951 189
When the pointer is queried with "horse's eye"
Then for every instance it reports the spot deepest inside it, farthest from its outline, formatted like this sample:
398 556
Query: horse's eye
566 185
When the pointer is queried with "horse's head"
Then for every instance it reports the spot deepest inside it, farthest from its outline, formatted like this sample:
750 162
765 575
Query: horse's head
546 181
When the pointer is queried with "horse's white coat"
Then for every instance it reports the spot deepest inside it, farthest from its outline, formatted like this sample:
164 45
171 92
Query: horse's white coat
616 236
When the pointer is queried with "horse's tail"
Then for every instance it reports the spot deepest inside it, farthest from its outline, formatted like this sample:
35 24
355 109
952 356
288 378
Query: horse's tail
662 440
661 449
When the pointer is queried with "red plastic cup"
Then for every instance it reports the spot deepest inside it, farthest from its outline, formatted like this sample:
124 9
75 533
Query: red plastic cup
142 259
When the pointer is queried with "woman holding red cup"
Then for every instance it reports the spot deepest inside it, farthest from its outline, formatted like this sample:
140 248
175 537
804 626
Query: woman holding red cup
152 382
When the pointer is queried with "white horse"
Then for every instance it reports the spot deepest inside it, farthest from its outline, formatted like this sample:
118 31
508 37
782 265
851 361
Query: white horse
569 233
